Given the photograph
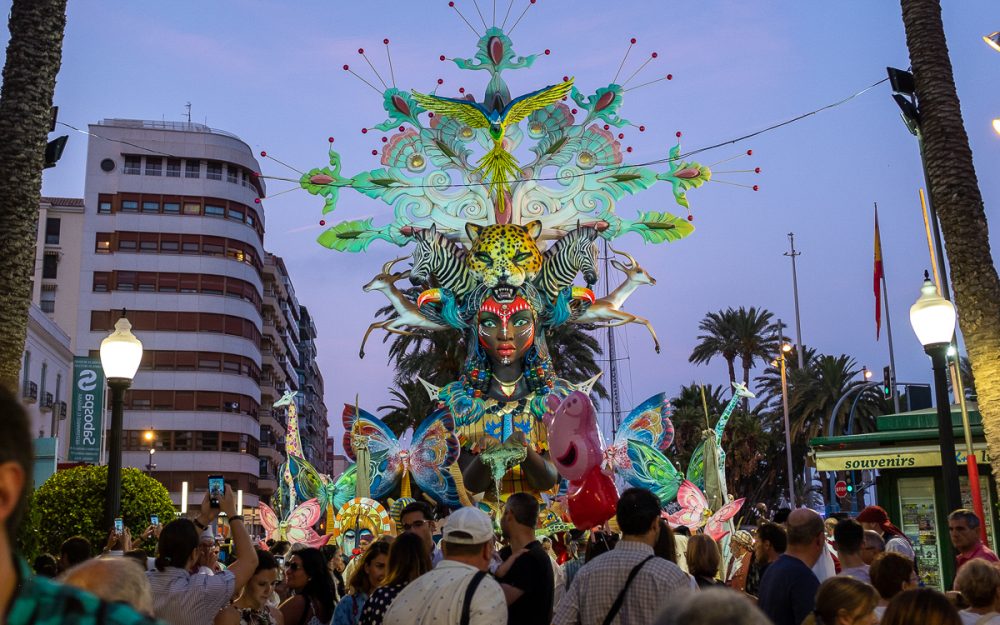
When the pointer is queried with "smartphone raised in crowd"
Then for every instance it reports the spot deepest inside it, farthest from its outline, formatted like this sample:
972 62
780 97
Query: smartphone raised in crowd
119 526
154 520
216 489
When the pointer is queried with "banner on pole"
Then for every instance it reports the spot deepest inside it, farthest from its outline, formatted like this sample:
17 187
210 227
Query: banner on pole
88 409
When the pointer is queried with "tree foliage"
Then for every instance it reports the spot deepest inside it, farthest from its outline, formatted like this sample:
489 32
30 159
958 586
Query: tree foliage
71 503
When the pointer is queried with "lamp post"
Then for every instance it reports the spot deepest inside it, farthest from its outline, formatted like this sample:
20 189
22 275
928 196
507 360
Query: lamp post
933 321
785 348
150 437
120 356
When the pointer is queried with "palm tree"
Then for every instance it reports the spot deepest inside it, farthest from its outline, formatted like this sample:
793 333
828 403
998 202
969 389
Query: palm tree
29 79
955 195
719 339
756 337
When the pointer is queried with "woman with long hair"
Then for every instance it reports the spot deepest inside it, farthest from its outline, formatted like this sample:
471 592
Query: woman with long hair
921 605
367 576
844 601
703 558
666 544
309 580
408 559
251 608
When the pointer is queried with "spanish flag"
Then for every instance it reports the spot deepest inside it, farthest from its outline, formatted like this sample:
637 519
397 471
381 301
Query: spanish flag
879 275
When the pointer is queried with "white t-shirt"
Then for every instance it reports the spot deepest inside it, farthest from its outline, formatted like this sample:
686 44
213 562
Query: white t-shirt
436 597
971 618
859 573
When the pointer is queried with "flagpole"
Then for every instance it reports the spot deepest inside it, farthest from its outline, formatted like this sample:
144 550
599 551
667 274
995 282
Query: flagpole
888 326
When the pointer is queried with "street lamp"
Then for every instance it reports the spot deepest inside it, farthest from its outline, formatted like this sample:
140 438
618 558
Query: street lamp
993 40
120 356
149 436
933 321
786 348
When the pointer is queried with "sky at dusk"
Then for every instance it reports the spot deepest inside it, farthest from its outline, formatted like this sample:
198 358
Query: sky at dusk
270 72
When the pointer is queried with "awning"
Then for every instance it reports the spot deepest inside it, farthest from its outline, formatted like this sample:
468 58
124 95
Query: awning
891 458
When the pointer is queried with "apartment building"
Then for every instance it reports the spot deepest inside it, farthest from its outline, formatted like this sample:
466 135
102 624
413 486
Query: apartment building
314 410
173 233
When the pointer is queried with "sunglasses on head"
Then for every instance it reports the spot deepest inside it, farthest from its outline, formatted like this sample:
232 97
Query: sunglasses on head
408 526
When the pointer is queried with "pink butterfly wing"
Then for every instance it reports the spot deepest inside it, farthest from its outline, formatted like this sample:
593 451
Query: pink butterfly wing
305 515
715 526
268 519
690 497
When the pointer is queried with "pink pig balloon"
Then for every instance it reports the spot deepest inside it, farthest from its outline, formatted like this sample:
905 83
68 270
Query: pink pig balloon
575 443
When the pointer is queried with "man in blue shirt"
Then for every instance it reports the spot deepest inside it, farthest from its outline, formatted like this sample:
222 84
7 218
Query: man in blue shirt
788 589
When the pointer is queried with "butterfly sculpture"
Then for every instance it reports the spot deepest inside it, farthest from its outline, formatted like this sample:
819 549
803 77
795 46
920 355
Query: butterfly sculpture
635 452
298 527
499 166
694 512
309 483
426 459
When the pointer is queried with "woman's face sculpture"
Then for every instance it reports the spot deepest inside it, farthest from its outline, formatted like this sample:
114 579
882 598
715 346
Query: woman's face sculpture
506 330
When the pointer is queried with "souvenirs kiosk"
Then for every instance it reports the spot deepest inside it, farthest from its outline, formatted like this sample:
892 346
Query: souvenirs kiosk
902 460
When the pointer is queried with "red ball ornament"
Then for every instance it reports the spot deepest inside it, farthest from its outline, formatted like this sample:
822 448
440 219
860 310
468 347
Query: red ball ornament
440 81
621 135
402 129
385 139
573 111
322 222
256 200
374 152
451 4
654 55
431 114
330 139
628 149
607 127
461 89
346 67
749 152
642 129
755 187
532 1
364 131
756 170
690 217
565 78
441 57
632 41
385 41
670 76
361 50
263 154
547 52
678 133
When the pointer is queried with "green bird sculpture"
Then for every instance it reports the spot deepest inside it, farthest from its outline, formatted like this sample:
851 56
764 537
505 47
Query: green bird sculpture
499 166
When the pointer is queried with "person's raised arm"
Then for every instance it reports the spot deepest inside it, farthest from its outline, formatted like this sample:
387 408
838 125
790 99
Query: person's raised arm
246 562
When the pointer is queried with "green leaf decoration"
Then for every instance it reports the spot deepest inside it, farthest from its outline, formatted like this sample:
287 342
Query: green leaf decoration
351 236
627 181
385 184
656 227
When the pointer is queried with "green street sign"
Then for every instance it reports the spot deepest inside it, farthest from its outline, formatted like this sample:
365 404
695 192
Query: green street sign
88 409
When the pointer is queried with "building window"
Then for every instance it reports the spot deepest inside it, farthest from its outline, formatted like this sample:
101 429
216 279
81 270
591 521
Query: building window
173 168
215 211
104 207
101 280
130 206
192 169
52 227
235 214
154 166
172 207
169 246
48 302
103 243
232 173
150 207
192 208
50 266
132 165
213 171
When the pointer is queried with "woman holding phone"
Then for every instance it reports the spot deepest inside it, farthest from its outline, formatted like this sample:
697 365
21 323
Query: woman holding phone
180 598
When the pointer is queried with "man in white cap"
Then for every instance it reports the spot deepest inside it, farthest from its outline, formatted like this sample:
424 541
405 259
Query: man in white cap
459 589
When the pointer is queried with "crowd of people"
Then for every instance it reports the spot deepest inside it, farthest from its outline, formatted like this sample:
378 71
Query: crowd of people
793 568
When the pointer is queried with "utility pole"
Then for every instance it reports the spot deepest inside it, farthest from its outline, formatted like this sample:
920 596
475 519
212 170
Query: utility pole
799 348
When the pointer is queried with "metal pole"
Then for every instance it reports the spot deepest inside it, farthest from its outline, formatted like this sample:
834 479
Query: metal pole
112 502
795 292
949 467
888 332
788 434
616 406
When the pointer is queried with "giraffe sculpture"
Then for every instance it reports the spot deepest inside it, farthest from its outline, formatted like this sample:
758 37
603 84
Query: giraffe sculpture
293 444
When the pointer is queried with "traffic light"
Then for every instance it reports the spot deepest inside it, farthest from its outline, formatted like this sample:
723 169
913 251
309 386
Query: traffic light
886 383
850 487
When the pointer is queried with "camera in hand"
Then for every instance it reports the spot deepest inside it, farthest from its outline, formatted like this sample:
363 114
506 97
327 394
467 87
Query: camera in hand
216 489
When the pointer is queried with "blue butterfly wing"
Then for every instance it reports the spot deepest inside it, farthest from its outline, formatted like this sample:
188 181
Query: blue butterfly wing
652 470
385 467
648 423
435 448
696 466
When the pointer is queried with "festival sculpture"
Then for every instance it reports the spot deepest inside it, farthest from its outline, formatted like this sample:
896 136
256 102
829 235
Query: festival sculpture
504 248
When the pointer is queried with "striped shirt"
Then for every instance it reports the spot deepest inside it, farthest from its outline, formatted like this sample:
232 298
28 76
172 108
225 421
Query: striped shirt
180 598
598 583
41 601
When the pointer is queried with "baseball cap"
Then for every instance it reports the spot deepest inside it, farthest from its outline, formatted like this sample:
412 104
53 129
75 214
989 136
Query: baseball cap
467 526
